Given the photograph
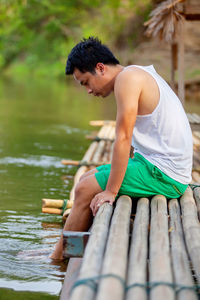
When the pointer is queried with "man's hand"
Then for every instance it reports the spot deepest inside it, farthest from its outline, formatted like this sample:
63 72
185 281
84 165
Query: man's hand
99 199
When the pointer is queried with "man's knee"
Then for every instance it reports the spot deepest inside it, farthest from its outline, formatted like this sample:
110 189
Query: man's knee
88 173
80 187
81 192
86 189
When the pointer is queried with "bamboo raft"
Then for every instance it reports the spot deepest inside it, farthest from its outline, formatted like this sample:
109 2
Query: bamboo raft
138 249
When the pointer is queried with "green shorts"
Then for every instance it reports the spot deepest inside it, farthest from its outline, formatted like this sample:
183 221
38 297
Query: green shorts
142 179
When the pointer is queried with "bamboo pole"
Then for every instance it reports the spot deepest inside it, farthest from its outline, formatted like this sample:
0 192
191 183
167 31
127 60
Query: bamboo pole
103 131
100 149
197 133
196 140
196 118
196 166
138 252
90 152
107 149
99 152
196 176
49 210
94 251
197 199
102 123
191 228
181 86
173 64
180 262
115 260
160 264
54 203
112 133
108 145
70 162
71 275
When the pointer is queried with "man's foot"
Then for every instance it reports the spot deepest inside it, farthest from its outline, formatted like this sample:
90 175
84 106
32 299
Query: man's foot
57 254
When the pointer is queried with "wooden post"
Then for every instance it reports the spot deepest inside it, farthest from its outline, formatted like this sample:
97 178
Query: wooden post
160 264
173 64
94 251
181 86
137 267
115 260
181 266
191 228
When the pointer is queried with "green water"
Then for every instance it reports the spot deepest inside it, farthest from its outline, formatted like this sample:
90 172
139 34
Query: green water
40 124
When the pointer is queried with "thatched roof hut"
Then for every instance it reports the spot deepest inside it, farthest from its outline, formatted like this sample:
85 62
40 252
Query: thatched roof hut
167 22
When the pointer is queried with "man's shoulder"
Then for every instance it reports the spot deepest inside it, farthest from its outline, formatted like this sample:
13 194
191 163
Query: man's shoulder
130 75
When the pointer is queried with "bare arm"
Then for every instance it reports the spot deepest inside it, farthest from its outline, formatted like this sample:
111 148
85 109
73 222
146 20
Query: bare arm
127 93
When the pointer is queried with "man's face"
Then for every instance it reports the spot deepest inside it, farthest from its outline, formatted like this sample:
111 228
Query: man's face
96 84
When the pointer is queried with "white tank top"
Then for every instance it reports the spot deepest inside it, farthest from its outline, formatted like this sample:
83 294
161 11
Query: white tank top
164 137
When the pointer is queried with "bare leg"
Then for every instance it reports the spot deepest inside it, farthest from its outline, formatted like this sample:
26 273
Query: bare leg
80 218
88 173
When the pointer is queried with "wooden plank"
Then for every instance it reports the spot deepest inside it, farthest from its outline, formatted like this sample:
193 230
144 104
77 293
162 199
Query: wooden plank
191 228
94 251
138 252
196 193
71 275
115 260
180 262
160 264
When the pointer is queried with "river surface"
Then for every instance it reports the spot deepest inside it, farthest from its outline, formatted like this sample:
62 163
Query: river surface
41 123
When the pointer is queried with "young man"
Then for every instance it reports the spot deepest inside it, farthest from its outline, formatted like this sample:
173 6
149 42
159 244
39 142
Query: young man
150 117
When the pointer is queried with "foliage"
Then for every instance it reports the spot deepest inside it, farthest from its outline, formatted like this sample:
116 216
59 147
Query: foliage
36 36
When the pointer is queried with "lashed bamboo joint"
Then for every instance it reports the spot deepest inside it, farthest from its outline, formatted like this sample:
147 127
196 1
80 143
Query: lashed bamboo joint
55 206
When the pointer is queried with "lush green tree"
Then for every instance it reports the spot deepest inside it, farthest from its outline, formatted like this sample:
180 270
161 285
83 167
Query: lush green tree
38 34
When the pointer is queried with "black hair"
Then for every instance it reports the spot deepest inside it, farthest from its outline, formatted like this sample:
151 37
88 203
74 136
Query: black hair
86 54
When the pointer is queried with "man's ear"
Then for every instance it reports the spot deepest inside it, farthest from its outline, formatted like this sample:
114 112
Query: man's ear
101 68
